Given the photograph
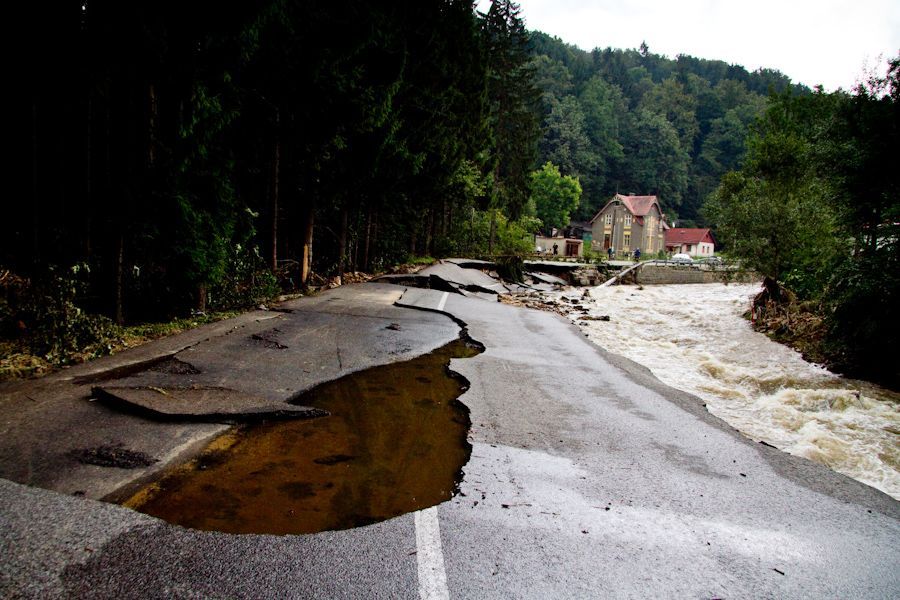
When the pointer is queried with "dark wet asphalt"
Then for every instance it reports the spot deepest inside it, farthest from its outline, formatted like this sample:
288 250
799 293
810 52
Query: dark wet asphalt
588 478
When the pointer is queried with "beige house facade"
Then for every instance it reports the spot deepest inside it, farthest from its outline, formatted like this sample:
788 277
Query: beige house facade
627 223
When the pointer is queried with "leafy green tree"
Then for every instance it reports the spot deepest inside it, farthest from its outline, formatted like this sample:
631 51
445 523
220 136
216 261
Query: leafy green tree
670 100
552 78
655 163
816 205
778 228
856 153
565 142
605 110
555 196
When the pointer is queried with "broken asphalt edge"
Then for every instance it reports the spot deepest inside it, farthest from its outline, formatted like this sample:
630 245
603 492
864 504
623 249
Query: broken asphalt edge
108 397
800 470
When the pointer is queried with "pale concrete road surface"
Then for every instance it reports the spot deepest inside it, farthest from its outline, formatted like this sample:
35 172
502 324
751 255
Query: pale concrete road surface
588 478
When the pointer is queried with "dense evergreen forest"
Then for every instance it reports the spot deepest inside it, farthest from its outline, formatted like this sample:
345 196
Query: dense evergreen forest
634 121
186 156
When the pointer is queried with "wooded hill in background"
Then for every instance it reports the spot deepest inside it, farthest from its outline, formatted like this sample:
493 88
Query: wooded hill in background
634 121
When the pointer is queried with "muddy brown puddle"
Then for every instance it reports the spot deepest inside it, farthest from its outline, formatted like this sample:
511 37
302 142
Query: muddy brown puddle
395 443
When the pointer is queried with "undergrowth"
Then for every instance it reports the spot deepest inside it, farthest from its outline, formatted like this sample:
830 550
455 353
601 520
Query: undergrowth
42 327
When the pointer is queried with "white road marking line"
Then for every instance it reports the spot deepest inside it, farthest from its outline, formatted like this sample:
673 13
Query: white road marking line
430 558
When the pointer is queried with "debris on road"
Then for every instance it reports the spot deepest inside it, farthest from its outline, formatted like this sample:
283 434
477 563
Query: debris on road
112 456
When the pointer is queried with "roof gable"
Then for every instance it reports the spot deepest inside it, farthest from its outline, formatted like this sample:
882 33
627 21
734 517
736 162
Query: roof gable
639 206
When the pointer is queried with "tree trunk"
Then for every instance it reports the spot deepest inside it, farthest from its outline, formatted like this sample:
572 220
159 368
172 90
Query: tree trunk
365 261
429 233
342 243
201 297
354 243
374 240
120 278
493 232
35 204
449 226
306 264
276 184
152 124
88 204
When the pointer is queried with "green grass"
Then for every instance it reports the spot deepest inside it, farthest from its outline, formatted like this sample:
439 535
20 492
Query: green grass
421 260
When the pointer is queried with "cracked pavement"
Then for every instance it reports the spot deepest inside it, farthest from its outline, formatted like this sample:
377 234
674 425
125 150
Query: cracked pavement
588 478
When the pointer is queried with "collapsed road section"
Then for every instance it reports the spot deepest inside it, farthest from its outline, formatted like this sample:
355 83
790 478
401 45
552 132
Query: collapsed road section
394 442
77 431
482 279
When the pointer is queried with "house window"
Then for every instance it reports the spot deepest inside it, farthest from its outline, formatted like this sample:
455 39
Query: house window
608 219
627 220
627 241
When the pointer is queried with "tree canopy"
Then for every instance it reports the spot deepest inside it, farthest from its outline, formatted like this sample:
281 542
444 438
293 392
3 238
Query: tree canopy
186 154
555 196
634 121
816 206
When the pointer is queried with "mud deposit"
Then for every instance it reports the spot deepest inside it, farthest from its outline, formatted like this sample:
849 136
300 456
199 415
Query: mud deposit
395 442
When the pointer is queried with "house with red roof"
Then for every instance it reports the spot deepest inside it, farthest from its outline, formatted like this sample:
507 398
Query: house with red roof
627 223
695 242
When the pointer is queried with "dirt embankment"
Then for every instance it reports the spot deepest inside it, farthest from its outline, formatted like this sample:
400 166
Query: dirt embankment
777 313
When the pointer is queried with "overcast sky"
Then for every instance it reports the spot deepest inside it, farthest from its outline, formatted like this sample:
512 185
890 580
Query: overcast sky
827 42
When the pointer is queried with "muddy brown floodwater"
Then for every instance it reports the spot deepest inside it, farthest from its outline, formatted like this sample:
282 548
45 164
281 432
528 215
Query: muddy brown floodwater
395 443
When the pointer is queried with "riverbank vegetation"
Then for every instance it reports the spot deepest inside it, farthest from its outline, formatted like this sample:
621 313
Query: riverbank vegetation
816 207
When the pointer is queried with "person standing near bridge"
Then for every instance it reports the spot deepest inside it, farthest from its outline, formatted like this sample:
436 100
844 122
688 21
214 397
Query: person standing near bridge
637 254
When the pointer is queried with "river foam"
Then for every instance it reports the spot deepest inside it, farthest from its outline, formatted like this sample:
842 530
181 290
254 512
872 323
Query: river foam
694 338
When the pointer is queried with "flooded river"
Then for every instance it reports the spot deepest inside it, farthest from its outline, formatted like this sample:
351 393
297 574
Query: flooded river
693 338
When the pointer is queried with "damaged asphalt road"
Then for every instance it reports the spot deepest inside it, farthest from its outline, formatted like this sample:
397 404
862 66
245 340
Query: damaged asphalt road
588 478
166 399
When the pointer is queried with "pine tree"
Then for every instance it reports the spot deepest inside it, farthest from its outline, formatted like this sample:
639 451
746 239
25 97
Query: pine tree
513 102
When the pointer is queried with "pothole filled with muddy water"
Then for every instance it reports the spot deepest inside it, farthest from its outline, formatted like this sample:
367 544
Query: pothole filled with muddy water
395 442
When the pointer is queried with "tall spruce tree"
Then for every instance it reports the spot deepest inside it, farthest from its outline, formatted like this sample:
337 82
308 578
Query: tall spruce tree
514 102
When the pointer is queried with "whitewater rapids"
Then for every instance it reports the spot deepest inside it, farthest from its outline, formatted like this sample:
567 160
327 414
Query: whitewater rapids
693 337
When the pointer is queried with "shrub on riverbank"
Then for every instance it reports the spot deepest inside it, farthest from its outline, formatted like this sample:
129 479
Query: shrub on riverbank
816 208
833 336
